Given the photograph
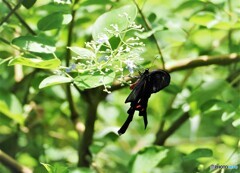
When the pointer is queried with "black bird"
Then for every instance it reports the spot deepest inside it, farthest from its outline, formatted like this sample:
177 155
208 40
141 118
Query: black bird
149 83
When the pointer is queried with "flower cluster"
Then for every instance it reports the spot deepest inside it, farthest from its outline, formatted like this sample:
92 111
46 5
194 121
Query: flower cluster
102 54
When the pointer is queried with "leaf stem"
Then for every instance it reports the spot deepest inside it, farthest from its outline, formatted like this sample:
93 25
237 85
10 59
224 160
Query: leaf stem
149 28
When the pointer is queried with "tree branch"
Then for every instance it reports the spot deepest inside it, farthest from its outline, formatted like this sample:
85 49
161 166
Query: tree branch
192 63
149 28
13 11
163 135
163 120
161 138
184 65
13 164
74 114
93 97
204 61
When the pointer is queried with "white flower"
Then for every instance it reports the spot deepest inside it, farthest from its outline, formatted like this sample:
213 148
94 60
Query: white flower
130 65
103 39
127 49
115 27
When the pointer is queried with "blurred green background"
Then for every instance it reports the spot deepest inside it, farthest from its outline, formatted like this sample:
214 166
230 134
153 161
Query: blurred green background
193 124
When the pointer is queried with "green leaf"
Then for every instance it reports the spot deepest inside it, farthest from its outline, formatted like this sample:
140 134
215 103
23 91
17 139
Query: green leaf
11 107
48 167
112 18
96 147
202 38
208 104
191 5
62 2
223 25
57 7
236 122
59 168
173 89
148 158
94 2
82 52
210 21
152 17
227 115
54 80
35 44
86 80
107 134
229 140
36 63
204 18
28 3
5 110
148 34
198 153
207 91
85 170
54 21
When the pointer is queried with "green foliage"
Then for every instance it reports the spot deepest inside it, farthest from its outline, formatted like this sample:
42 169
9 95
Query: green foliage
28 3
119 18
198 153
147 159
94 47
54 21
54 80
36 63
98 64
96 79
11 107
35 44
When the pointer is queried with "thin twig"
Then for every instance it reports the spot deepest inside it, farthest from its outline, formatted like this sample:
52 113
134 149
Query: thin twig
5 41
149 27
13 164
74 114
204 61
13 11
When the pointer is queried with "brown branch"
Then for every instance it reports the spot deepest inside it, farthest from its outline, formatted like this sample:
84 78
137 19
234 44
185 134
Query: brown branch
169 107
190 64
13 164
163 135
92 97
149 28
201 61
161 138
204 61
184 65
